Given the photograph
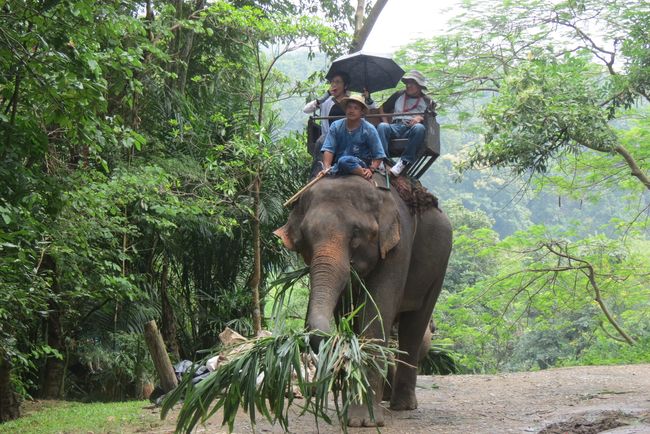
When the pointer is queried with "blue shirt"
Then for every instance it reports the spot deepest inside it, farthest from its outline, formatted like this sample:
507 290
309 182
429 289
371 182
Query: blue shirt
362 142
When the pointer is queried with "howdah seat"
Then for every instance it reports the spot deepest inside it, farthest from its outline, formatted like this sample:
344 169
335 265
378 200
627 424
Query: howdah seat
427 155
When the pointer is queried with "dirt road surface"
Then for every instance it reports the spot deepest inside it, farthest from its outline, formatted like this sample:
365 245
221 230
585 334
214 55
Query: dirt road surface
578 400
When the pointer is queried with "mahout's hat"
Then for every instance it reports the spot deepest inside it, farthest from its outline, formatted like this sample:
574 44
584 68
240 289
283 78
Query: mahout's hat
356 98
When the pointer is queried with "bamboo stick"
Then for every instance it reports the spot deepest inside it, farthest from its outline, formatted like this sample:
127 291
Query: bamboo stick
318 177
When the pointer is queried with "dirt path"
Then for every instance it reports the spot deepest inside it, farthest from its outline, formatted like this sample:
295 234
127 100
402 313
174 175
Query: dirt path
582 400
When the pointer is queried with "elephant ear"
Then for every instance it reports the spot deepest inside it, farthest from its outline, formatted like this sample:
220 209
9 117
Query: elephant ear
290 232
389 233
283 234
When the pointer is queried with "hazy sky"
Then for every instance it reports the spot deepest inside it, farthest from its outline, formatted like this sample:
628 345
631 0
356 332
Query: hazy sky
414 19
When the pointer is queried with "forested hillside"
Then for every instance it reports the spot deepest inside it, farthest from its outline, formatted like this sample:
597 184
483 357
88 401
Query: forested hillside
551 103
147 148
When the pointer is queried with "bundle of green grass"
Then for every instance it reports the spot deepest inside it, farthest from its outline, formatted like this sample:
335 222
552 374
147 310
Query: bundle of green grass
268 374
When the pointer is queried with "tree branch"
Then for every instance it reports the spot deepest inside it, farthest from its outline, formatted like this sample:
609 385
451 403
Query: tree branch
631 162
595 49
588 271
360 38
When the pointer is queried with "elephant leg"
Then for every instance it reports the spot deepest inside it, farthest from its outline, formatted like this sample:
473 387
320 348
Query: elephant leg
374 328
390 377
411 332
359 416
413 326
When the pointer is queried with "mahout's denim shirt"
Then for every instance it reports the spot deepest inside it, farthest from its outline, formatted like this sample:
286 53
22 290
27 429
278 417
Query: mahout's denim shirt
362 142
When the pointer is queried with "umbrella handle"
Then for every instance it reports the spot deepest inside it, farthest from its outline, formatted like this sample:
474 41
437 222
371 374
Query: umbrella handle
365 76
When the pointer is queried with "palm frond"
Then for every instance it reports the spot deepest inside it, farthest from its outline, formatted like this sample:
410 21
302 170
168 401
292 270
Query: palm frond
262 380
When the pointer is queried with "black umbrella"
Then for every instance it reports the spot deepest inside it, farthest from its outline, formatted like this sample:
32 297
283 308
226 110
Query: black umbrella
367 71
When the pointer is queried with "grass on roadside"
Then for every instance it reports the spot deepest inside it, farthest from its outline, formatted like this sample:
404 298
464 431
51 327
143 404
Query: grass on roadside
77 417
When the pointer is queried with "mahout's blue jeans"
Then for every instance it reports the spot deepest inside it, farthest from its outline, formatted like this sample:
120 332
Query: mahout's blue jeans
347 163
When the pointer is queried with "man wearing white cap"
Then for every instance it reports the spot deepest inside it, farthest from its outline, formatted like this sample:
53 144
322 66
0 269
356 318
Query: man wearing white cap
353 143
410 126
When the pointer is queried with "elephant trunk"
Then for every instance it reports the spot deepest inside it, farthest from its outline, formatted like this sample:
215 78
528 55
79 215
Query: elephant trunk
329 272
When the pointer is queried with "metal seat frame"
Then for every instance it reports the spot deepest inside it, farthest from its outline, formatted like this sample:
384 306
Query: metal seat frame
425 158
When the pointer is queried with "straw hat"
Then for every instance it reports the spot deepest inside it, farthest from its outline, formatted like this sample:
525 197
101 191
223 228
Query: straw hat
356 98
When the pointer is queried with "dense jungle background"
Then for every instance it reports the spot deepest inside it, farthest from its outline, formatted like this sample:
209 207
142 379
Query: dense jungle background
147 147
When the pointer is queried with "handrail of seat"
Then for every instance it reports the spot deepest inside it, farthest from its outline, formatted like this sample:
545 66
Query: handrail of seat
372 115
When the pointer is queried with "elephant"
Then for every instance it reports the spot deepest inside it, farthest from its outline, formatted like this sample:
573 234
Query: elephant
400 251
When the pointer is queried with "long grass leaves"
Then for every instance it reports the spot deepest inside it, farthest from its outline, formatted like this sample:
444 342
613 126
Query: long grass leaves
268 376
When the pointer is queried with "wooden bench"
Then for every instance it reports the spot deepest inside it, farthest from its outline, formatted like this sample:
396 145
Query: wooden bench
425 157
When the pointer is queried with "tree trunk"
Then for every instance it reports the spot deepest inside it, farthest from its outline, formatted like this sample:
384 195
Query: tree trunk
257 262
54 375
9 405
169 331
184 63
362 30
54 367
359 18
159 356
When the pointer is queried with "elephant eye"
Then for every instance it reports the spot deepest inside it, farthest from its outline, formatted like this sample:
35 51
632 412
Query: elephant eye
355 241
298 243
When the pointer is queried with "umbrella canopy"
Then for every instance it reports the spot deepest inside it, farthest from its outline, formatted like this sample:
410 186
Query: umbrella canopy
369 71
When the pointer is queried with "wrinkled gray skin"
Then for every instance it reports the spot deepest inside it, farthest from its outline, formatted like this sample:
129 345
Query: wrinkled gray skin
348 221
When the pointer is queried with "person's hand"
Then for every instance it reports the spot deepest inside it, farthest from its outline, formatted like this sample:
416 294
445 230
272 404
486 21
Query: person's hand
367 173
325 168
323 98
366 96
415 120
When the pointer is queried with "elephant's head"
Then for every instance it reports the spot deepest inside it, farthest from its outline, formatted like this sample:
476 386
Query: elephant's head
338 223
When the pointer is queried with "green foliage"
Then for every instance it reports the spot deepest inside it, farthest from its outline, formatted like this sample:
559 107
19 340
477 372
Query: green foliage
62 59
550 98
636 48
290 297
544 109
546 88
108 366
440 360
472 235
128 147
605 351
541 308
25 291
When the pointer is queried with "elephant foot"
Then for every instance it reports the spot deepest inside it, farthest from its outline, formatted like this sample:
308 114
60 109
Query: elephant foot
358 416
405 401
